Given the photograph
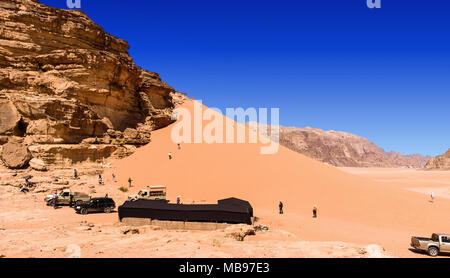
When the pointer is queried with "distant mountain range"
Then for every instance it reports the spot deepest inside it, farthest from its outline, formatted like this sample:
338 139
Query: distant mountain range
344 149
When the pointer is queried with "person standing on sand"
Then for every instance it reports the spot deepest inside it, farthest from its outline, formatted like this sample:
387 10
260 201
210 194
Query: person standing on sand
114 177
129 181
179 146
178 200
100 180
75 174
55 200
27 180
281 207
170 155
432 197
315 211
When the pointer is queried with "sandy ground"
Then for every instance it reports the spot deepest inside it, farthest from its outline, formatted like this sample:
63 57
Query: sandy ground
362 212
353 207
417 180
30 229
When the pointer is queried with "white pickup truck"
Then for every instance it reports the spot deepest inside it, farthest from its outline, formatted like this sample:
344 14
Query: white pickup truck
438 243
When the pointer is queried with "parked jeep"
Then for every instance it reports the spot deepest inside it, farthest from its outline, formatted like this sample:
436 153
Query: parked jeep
152 193
67 197
106 205
438 243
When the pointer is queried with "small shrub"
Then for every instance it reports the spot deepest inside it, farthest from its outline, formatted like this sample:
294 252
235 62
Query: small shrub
123 189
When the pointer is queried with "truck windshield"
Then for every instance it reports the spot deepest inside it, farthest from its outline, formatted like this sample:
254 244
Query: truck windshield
142 193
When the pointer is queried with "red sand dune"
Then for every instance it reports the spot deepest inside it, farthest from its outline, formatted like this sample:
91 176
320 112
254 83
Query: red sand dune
351 208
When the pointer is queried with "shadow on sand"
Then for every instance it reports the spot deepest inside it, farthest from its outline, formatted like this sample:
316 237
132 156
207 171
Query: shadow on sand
424 254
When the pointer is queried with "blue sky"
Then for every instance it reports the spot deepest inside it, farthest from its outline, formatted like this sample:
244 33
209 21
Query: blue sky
383 74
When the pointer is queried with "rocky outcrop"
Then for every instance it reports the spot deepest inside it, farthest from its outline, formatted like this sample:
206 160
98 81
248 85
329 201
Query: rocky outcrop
15 155
441 162
240 232
9 117
344 149
66 155
65 81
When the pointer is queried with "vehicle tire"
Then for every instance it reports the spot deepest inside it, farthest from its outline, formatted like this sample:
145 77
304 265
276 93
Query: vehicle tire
107 210
84 211
433 251
49 203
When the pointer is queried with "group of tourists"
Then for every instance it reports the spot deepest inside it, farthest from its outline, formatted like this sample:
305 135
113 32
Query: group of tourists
315 209
27 186
170 153
100 178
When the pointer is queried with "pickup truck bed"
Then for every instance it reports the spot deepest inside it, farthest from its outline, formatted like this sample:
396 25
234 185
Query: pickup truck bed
438 243
423 238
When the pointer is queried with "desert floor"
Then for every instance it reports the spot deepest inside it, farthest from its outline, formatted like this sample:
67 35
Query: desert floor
417 180
413 180
30 229
362 212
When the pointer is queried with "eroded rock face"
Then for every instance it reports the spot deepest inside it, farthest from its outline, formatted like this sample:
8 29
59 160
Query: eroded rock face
15 155
344 149
9 117
63 80
66 155
441 162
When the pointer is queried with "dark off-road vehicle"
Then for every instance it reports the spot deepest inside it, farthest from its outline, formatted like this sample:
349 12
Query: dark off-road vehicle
105 205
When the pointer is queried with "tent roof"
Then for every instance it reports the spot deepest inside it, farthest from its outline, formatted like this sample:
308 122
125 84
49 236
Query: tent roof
163 205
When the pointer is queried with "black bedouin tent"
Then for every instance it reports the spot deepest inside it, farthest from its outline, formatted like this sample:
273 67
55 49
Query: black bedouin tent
232 210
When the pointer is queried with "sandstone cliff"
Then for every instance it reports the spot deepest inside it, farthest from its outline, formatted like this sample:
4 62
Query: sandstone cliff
69 91
344 149
441 162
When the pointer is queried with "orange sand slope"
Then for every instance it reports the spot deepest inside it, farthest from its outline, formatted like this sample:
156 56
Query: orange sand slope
347 203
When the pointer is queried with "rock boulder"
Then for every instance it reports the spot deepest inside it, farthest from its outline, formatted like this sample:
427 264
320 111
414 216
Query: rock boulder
15 155
38 164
